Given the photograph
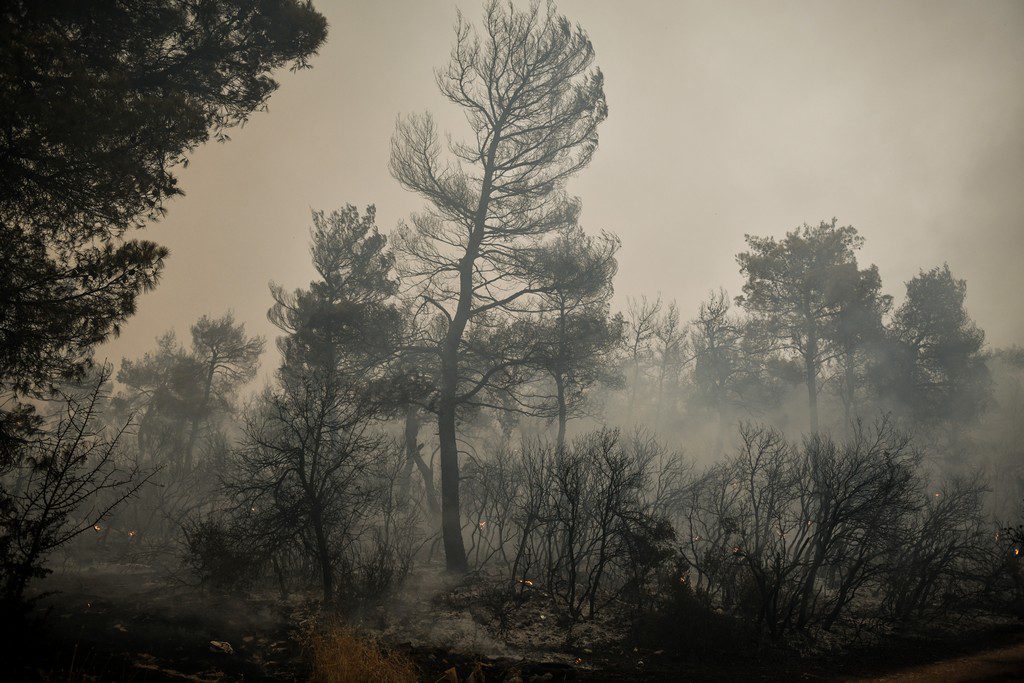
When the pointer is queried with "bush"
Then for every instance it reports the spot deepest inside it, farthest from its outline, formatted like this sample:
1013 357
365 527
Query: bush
683 621
217 556
585 523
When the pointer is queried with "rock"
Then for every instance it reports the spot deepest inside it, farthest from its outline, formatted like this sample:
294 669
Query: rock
222 646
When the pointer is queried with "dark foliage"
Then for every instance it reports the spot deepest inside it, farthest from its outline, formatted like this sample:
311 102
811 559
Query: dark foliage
101 102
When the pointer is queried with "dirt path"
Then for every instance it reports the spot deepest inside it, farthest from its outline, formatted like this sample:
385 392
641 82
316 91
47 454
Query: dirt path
1000 664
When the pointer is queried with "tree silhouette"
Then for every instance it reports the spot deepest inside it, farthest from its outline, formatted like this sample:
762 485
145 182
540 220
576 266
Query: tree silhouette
578 335
797 287
101 101
533 104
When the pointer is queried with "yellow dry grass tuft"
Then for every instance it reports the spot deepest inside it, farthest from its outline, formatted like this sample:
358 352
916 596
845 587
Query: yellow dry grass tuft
339 656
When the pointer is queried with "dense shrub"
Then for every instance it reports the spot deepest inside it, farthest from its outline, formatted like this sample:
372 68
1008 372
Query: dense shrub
585 522
218 555
799 536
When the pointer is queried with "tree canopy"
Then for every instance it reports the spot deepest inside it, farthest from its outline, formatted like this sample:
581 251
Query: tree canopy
102 101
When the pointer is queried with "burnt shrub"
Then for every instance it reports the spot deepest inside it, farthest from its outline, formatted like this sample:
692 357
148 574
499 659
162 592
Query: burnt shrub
217 555
683 620
586 523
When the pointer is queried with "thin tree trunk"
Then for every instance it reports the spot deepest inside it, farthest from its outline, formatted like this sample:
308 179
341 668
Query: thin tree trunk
411 445
414 459
194 433
563 412
849 379
811 373
720 436
323 556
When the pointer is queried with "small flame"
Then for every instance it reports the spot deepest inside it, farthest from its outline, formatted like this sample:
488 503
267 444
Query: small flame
526 582
97 527
577 661
937 494
481 524
683 579
1016 552
131 534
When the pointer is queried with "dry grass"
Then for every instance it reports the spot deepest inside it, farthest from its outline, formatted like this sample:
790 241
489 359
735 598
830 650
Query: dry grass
339 656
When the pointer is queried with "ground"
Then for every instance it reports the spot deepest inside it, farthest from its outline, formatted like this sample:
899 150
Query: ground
124 623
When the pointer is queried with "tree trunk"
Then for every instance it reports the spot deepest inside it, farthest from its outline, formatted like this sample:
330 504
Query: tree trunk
411 445
720 435
323 556
451 517
194 433
811 374
414 459
448 399
563 412
850 388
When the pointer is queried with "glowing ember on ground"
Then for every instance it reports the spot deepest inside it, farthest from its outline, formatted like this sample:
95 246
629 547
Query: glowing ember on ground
97 527
131 533
526 582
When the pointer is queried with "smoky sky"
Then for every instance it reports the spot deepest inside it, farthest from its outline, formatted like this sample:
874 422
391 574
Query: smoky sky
903 119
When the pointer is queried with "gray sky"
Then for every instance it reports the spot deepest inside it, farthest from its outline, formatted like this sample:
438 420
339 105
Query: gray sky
904 119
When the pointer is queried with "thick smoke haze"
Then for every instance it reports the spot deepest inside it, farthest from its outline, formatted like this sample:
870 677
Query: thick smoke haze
904 120
511 340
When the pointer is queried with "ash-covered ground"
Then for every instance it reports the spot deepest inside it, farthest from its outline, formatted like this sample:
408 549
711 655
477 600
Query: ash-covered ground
132 623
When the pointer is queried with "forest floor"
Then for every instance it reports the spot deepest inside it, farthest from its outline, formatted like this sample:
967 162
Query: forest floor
125 623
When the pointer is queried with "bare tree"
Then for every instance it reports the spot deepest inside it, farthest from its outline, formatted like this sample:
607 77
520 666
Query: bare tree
671 355
641 325
788 536
301 466
533 104
69 478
